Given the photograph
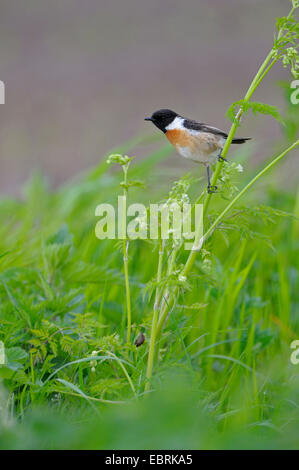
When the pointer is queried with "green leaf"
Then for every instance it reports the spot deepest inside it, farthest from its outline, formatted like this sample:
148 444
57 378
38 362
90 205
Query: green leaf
118 158
62 236
77 390
15 357
255 107
5 372
132 183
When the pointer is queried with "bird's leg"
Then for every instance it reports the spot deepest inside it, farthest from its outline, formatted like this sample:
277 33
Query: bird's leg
220 157
211 189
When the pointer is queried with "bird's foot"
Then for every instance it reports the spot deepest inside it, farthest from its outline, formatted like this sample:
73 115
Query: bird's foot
212 189
221 159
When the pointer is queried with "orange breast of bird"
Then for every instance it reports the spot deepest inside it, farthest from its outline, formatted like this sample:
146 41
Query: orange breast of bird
204 142
179 138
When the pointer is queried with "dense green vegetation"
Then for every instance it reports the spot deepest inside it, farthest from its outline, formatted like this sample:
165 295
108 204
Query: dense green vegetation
227 341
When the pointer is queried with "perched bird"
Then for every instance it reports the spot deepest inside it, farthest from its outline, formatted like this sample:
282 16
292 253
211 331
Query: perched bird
191 139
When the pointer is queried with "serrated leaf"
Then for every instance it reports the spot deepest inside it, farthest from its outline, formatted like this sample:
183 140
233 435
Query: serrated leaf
255 107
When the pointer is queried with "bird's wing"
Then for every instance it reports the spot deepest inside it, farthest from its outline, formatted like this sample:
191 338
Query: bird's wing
201 127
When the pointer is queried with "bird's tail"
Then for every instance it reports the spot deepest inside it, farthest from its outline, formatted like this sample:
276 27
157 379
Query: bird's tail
240 140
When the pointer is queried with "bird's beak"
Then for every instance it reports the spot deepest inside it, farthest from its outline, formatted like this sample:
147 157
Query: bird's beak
148 119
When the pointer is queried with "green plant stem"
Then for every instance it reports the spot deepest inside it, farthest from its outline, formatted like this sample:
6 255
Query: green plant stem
164 311
171 264
125 256
124 370
152 345
262 72
128 297
264 69
32 375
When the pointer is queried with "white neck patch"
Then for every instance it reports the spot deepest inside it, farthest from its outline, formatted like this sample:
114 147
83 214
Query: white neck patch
177 123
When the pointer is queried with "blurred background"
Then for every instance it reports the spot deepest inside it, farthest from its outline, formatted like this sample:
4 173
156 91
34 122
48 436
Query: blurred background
81 76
